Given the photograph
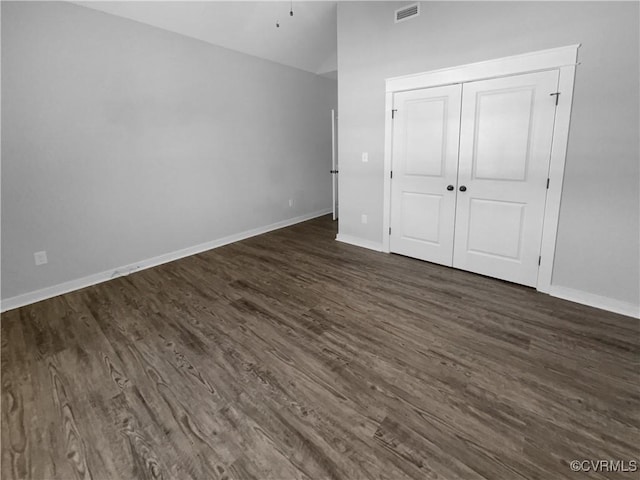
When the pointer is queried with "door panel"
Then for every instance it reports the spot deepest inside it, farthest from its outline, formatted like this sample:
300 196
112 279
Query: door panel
495 228
424 136
505 145
420 215
425 162
499 156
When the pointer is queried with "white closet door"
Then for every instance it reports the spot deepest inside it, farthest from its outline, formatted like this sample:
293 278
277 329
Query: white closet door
505 146
425 161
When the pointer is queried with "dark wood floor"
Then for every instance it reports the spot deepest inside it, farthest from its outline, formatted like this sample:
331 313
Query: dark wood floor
292 356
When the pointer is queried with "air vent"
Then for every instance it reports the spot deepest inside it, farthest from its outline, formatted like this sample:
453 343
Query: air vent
405 13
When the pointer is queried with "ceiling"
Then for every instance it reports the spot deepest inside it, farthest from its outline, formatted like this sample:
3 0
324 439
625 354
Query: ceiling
306 41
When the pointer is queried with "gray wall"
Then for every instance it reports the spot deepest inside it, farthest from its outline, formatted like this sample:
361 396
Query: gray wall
598 238
122 142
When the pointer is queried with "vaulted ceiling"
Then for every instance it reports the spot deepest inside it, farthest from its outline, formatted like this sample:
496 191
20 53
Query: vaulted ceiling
306 40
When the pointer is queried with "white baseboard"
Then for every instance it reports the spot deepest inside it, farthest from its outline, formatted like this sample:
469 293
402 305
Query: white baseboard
577 296
77 284
592 300
359 242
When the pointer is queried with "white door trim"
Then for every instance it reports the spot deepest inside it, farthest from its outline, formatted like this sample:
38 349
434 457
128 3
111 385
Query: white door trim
564 59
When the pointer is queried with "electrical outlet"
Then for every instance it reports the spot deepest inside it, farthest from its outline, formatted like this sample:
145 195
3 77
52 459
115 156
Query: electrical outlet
365 157
363 218
291 202
40 257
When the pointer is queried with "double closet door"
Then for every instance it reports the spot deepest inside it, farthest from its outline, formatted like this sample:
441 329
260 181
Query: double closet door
470 166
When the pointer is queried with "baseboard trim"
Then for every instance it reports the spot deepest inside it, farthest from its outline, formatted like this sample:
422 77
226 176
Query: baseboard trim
577 296
359 242
597 301
72 285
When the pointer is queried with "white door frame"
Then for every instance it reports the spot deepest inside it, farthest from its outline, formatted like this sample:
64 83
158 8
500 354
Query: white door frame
334 170
563 59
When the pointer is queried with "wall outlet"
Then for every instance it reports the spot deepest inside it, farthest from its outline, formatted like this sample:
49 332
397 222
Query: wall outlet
291 202
40 257
365 157
363 218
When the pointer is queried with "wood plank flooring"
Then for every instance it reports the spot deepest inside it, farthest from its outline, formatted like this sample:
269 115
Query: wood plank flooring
293 356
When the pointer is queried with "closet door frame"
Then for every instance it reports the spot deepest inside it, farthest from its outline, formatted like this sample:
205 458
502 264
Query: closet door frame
563 59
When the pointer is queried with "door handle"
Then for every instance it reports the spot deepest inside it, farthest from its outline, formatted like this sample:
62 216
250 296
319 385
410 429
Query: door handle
463 188
449 187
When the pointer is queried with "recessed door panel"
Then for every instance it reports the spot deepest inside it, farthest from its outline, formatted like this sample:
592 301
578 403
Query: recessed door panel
425 136
505 145
425 161
495 228
421 217
503 122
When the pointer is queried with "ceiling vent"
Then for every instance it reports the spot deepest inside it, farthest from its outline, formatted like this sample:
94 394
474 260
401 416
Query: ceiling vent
406 13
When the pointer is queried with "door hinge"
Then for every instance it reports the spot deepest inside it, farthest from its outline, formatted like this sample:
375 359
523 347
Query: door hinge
391 176
557 95
389 230
547 184
539 260
393 113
